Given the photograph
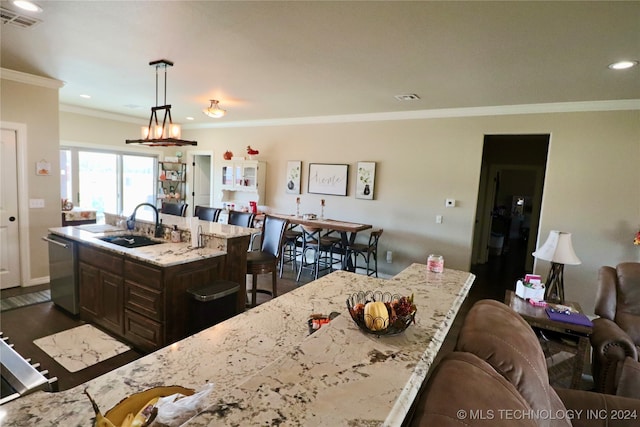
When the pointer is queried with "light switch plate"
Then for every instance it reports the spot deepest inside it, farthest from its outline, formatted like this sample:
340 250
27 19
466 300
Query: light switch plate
36 203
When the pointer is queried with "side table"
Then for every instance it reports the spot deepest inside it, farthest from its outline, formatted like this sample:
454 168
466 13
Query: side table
537 318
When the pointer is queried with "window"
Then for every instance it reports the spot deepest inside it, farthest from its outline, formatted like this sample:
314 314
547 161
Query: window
107 181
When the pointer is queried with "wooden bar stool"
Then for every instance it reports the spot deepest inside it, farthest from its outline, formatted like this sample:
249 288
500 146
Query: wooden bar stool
206 213
368 252
267 259
290 242
321 248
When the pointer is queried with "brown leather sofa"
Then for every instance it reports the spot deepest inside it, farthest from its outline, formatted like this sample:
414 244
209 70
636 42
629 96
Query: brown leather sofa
616 333
497 376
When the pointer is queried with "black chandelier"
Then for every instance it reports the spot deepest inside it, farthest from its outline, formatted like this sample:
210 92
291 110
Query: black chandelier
165 134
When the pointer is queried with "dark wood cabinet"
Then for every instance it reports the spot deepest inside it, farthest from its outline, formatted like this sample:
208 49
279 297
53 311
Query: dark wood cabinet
89 279
101 283
146 305
142 332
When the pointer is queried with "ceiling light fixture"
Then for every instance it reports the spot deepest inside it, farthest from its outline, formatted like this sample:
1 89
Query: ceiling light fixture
214 110
623 65
27 5
166 134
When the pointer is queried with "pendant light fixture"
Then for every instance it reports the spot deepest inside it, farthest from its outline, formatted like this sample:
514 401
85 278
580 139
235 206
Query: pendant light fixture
165 134
214 110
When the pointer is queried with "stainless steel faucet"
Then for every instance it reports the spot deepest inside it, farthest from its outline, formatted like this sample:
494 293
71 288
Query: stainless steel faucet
131 221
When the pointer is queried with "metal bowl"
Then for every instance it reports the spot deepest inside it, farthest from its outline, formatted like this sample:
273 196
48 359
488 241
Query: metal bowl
389 327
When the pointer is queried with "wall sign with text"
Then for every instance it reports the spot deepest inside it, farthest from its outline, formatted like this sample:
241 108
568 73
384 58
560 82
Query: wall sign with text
328 179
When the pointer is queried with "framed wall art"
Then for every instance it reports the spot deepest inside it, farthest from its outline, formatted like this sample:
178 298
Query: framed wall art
43 167
328 179
365 180
294 167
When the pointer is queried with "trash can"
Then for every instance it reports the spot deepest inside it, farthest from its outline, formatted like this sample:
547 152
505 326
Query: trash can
212 304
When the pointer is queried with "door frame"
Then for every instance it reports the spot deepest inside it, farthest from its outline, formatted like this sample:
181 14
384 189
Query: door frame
191 154
23 209
484 218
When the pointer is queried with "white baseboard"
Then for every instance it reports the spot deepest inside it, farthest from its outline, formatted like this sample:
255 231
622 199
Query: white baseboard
36 281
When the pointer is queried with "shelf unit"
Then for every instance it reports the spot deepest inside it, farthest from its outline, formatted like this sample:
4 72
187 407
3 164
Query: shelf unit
242 181
172 179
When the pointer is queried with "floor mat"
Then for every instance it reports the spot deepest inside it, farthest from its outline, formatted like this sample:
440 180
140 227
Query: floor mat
24 300
80 347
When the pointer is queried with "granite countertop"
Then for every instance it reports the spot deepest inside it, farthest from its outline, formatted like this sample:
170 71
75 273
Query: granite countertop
165 254
267 369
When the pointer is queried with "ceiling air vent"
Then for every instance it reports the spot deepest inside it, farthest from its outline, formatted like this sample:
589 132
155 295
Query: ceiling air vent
407 97
14 18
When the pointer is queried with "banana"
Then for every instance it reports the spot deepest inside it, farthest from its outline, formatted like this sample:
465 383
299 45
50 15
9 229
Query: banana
137 402
101 420
128 420
145 413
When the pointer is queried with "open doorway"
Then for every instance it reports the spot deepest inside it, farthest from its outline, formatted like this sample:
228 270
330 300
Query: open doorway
509 203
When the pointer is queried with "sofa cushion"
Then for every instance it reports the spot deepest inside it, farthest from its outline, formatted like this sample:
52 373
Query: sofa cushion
497 334
464 390
628 299
606 293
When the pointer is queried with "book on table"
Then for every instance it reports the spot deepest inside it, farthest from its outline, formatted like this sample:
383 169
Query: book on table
568 317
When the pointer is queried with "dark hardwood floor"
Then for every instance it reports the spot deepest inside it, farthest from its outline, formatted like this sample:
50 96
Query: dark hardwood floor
23 325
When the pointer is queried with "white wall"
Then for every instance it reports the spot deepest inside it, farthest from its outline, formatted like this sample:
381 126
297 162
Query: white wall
591 185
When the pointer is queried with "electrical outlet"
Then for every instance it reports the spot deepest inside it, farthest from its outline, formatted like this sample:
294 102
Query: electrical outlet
389 257
438 219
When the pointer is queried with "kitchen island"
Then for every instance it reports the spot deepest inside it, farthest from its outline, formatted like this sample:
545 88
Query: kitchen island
267 369
139 294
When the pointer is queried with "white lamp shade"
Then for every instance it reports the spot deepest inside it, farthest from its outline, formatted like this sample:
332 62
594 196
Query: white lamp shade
157 131
558 249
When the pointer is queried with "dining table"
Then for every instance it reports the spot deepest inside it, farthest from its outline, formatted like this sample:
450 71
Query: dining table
348 231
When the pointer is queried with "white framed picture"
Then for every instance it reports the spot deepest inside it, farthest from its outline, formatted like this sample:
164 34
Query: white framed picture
43 167
365 180
328 179
294 169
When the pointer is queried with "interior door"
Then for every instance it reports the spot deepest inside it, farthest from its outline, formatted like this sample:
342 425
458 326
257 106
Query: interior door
202 179
9 237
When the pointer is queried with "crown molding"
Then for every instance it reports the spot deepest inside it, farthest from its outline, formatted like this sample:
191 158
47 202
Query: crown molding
502 110
102 114
559 107
20 77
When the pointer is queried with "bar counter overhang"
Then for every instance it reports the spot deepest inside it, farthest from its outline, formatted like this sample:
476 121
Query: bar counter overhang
265 366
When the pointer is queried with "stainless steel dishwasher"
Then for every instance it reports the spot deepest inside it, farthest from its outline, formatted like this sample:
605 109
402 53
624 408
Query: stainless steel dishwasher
62 273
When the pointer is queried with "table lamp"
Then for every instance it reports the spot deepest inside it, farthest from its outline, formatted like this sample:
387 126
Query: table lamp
559 250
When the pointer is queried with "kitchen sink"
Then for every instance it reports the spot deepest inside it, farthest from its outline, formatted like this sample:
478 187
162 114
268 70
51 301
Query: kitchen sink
130 240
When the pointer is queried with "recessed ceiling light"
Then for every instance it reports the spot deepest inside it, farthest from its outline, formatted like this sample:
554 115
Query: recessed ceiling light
85 96
27 5
623 65
189 118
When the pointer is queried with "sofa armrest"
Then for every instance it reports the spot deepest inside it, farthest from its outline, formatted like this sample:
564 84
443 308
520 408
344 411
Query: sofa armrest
588 409
610 341
611 345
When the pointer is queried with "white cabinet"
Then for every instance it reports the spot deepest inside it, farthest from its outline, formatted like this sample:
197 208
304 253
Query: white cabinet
242 181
